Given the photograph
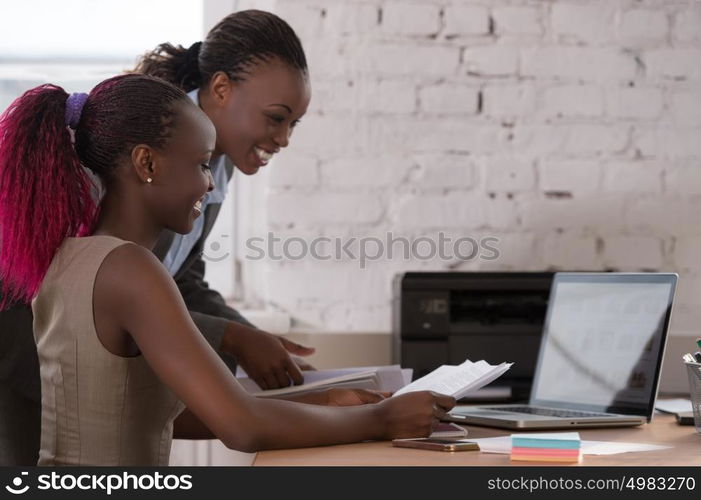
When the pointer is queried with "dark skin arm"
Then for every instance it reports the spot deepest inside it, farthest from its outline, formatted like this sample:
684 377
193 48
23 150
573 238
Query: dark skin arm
188 426
135 297
265 357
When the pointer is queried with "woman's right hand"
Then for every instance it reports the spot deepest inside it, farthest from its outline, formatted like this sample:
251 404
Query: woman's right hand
414 414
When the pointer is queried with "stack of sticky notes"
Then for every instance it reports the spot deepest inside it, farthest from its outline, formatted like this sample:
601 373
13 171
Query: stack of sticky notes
547 447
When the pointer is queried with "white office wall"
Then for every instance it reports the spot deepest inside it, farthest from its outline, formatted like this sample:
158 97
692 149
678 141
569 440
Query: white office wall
570 130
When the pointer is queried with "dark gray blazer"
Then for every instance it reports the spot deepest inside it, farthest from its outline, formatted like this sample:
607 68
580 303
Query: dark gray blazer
20 386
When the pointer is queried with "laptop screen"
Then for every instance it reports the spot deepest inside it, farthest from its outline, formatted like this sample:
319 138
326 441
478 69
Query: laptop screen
603 342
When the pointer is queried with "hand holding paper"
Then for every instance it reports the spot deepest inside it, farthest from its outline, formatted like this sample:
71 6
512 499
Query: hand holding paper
457 381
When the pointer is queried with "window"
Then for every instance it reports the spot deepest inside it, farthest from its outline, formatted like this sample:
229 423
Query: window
77 43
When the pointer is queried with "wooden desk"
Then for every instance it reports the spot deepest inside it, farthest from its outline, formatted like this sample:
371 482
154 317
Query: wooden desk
685 442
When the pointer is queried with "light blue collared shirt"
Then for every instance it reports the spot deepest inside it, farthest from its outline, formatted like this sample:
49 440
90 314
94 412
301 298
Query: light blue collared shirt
183 244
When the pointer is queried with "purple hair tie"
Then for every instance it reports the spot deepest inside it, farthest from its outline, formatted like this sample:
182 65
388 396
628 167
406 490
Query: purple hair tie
74 107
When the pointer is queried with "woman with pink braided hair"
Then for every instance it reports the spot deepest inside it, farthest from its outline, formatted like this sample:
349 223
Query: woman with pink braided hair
123 366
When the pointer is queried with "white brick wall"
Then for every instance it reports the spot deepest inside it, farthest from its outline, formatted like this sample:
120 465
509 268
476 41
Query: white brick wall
600 64
686 24
579 178
686 107
673 63
587 22
640 25
518 20
643 178
357 172
570 251
466 20
401 18
635 103
412 59
510 100
684 177
570 130
449 99
430 211
573 100
509 174
304 209
491 60
647 255
444 171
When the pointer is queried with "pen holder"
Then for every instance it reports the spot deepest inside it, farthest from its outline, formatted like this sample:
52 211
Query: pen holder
694 372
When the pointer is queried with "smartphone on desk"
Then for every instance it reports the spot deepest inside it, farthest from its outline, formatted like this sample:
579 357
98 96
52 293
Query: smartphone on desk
436 444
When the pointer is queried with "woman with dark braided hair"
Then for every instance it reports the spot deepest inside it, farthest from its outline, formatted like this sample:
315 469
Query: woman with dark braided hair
123 366
250 78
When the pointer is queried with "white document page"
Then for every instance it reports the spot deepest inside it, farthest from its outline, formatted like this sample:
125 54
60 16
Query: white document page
673 405
458 380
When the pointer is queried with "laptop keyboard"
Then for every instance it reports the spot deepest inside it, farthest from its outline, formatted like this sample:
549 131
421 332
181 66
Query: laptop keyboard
549 412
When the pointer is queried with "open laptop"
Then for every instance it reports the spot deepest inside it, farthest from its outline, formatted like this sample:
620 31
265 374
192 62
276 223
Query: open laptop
600 356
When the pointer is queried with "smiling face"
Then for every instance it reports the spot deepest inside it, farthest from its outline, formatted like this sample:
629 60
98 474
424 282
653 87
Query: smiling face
255 118
180 171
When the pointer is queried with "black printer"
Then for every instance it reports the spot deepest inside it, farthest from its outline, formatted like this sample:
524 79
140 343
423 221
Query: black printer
447 317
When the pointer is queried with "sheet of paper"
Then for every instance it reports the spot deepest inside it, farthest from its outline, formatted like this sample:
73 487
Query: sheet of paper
367 379
569 436
313 375
431 382
484 380
390 378
407 374
502 444
673 405
457 381
611 448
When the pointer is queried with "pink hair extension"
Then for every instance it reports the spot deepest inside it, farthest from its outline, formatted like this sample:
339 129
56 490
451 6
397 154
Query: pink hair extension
44 192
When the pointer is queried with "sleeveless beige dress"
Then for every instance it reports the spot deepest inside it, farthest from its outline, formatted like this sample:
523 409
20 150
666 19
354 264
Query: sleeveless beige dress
97 408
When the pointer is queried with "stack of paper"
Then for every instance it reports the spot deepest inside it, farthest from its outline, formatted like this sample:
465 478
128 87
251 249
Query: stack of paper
547 447
457 381
379 378
502 444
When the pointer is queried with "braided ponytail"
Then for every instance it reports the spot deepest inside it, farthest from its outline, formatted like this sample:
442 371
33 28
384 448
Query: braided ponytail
45 190
174 64
45 195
